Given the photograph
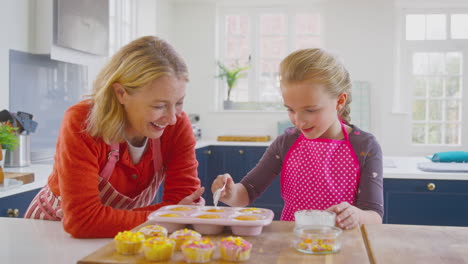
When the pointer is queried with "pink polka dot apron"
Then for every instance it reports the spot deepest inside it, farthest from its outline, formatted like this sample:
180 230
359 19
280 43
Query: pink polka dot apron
318 173
47 205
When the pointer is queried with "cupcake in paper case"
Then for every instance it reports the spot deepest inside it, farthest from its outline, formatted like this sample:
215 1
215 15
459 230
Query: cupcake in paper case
129 243
199 250
182 235
235 249
153 231
158 248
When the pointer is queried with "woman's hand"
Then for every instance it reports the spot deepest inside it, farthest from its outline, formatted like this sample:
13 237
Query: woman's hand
219 182
194 198
347 216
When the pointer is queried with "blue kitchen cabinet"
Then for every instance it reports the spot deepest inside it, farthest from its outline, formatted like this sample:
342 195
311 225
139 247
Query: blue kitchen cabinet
238 161
19 202
426 202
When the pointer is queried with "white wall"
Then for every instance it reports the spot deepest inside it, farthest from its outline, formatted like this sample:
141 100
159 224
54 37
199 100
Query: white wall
16 21
361 32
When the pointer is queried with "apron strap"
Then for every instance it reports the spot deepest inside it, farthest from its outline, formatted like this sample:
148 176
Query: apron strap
345 133
112 159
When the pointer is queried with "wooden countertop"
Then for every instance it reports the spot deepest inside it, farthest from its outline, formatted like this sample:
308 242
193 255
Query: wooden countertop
272 246
388 244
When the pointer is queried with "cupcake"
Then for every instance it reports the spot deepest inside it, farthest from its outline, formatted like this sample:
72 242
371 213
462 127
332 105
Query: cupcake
158 248
170 215
209 216
246 218
235 249
214 210
128 243
153 231
182 235
251 210
199 250
181 208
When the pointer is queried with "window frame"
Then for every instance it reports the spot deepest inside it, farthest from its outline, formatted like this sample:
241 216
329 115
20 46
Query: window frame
403 102
254 13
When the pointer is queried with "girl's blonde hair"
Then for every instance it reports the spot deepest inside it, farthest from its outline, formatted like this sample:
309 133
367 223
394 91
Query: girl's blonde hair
320 66
135 65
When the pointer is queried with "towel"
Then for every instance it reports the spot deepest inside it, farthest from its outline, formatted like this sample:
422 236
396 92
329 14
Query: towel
450 156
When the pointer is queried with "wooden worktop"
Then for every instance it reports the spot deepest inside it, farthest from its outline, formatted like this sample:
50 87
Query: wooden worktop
272 246
416 244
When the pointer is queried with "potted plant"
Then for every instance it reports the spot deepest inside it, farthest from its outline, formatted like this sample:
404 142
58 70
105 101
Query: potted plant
8 138
231 75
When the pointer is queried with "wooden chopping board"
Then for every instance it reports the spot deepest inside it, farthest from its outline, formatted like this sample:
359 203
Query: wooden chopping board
25 177
272 246
416 244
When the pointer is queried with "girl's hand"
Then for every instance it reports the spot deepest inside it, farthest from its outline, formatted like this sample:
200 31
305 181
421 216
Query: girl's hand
219 182
347 216
194 198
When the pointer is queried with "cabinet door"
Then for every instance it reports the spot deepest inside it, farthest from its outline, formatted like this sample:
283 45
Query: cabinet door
202 155
426 202
18 201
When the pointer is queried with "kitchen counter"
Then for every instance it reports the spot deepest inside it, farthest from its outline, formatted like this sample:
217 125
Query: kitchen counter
395 167
41 242
44 242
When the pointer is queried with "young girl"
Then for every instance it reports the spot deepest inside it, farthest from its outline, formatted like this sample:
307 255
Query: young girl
325 163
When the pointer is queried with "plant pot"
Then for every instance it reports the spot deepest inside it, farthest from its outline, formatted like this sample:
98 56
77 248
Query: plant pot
228 105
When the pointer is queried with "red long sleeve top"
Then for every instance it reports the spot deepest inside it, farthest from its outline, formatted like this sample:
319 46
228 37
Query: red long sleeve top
80 158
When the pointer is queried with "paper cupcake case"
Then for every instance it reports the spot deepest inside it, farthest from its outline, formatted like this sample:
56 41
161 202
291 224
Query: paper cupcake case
210 220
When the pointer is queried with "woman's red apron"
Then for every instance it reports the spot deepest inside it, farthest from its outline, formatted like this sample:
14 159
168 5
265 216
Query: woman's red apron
318 173
47 206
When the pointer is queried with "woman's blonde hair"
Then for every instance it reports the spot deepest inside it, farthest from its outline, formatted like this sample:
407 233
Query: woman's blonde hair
135 65
320 66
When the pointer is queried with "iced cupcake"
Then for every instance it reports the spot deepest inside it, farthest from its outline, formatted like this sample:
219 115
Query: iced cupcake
128 243
158 248
153 231
182 235
235 249
198 250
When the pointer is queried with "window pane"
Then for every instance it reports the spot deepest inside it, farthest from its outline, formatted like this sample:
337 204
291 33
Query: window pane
415 27
269 82
452 134
419 110
237 25
273 47
420 63
459 26
240 92
308 24
306 42
435 134
453 63
435 26
453 110
419 131
453 85
436 88
237 47
272 24
436 63
419 86
435 110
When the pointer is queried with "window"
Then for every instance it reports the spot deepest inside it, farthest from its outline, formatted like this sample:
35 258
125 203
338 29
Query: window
434 46
261 38
122 24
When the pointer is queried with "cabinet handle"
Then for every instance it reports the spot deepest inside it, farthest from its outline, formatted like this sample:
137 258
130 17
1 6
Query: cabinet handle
208 152
12 212
241 151
431 186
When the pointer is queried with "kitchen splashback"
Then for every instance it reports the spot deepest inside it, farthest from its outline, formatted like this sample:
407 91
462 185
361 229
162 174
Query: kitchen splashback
44 88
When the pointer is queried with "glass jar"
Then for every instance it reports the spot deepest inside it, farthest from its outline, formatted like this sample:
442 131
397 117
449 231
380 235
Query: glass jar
317 239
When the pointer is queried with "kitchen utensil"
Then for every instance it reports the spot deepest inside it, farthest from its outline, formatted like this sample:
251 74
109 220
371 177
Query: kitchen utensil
217 194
